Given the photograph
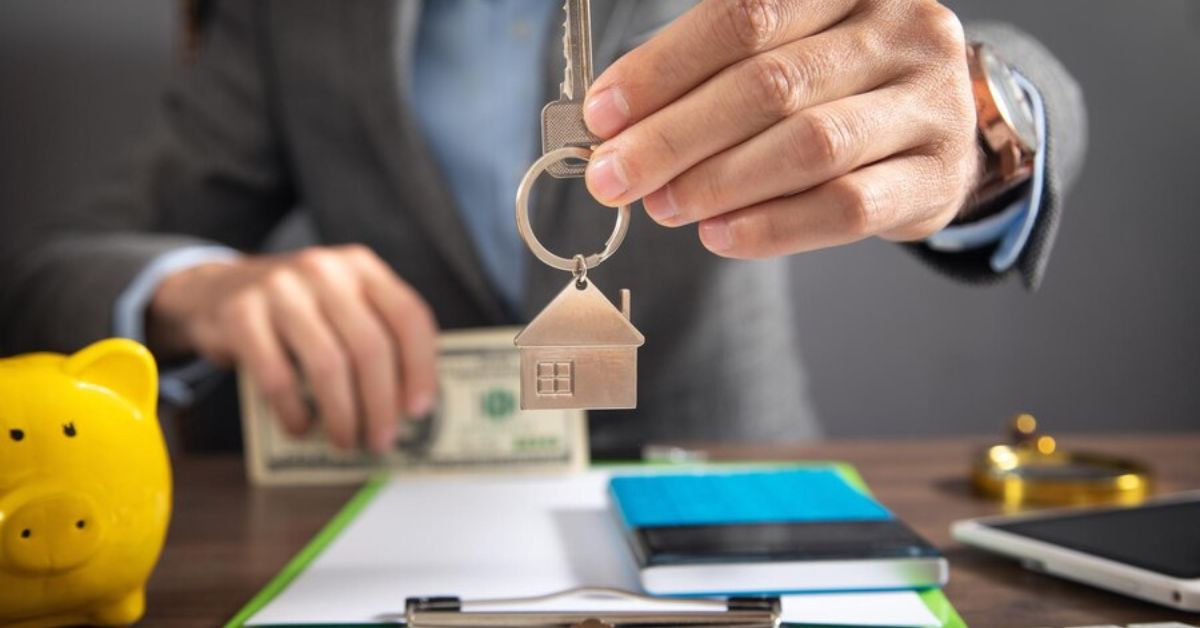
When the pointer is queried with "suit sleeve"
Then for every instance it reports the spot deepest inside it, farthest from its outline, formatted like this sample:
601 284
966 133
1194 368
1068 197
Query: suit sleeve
213 172
1065 146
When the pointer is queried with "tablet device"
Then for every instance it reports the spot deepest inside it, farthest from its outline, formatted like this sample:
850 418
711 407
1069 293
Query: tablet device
1150 551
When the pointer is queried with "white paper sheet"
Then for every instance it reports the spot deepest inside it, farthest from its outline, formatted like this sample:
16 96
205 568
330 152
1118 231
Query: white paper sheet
485 538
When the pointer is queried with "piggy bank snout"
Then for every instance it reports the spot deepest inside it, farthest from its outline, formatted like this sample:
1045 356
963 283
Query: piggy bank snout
51 534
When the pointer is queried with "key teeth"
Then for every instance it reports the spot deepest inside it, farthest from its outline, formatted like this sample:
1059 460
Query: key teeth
566 86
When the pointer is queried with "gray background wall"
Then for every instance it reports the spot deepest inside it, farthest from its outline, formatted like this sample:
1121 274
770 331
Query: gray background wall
1111 341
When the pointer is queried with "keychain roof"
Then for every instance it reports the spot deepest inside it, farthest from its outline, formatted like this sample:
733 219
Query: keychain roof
562 322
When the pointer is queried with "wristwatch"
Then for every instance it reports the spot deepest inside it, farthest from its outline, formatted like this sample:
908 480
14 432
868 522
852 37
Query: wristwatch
1007 131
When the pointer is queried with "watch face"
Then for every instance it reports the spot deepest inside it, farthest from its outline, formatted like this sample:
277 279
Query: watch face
1010 99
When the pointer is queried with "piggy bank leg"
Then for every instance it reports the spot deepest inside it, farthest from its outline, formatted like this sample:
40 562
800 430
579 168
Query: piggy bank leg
123 611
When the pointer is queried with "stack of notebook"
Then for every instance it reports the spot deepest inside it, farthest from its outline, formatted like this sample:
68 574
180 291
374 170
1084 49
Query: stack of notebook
714 532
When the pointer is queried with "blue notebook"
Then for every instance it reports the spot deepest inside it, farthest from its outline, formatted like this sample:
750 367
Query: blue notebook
767 531
775 495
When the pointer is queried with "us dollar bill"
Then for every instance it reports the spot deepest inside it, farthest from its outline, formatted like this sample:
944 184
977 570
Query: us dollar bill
477 426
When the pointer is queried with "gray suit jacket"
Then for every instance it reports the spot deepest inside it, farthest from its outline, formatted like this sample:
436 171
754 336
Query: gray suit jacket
296 103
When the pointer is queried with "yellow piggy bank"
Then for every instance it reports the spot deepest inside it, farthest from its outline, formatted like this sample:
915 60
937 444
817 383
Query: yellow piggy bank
85 485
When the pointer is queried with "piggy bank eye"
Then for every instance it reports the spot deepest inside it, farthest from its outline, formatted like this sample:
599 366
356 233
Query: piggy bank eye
16 435
69 430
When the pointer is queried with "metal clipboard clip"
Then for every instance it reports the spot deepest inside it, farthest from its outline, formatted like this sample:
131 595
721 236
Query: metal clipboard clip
452 612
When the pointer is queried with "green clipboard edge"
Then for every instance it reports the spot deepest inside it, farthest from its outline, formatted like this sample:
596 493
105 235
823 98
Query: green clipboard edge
311 550
934 599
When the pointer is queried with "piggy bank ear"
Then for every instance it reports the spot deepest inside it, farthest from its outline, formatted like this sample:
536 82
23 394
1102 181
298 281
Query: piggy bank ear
122 366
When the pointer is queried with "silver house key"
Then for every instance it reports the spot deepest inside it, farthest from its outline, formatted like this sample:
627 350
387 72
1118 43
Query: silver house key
562 119
581 350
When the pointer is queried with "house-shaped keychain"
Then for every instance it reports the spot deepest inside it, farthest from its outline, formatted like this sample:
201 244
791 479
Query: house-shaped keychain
580 352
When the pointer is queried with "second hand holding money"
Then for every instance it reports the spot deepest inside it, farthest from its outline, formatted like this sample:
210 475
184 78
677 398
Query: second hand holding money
364 340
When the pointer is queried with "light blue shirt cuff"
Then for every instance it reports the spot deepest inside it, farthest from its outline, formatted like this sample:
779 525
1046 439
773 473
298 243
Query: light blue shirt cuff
129 311
1009 229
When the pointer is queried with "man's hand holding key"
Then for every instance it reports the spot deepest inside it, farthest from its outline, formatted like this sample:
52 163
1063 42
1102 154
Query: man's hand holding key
782 126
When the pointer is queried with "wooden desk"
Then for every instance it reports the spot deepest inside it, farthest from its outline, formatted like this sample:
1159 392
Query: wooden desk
227 539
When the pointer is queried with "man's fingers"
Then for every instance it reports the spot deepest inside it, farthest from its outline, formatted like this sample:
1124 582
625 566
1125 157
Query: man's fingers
255 345
869 201
370 346
809 148
307 334
740 102
702 42
411 322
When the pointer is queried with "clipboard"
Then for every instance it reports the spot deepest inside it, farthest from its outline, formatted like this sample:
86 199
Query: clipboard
451 612
291 579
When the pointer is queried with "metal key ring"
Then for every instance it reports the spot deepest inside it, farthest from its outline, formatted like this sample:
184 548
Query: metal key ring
526 229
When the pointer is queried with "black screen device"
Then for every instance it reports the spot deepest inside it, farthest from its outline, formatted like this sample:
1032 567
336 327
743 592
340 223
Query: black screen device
1163 537
1150 551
